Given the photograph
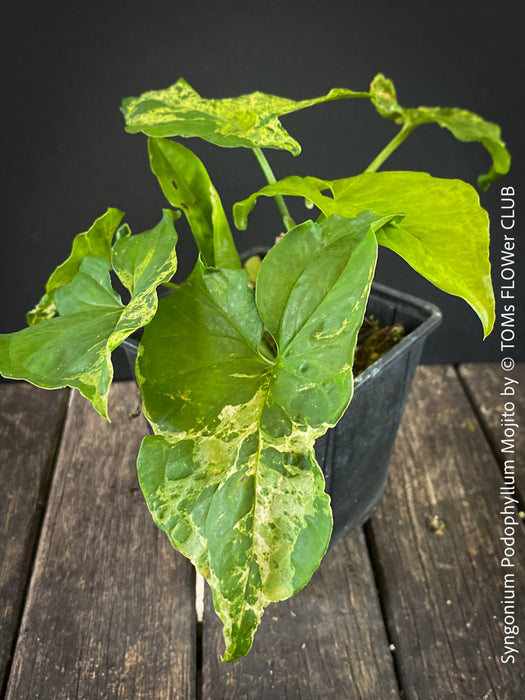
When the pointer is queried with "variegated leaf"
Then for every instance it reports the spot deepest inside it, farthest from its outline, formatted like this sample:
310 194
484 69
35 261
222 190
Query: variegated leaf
250 120
74 348
444 234
230 474
465 126
96 242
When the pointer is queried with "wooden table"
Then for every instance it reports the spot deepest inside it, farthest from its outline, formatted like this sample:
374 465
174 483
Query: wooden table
96 604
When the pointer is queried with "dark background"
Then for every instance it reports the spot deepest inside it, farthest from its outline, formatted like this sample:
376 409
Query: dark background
66 157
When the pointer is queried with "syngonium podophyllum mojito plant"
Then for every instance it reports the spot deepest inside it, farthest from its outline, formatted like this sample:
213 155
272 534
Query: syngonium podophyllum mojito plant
238 380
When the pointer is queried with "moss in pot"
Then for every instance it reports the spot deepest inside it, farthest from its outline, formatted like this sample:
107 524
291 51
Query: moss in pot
236 383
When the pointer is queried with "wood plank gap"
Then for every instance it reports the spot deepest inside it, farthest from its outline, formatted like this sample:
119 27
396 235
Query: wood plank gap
437 537
380 585
488 431
378 572
35 528
327 641
198 660
110 611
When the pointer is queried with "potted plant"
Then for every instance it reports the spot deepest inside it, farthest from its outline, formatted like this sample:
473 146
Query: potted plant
241 370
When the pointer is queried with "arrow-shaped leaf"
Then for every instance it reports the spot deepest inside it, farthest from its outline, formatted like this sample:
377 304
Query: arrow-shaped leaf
96 242
231 475
74 348
444 234
250 120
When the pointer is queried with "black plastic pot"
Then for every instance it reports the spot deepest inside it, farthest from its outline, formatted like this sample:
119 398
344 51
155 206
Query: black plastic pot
355 455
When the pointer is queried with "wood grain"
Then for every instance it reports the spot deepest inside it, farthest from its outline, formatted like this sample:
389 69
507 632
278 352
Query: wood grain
485 383
328 641
30 424
110 610
442 592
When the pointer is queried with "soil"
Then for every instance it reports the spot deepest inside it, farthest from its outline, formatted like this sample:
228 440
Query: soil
374 341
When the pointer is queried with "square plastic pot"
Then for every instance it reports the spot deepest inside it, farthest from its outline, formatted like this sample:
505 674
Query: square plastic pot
355 455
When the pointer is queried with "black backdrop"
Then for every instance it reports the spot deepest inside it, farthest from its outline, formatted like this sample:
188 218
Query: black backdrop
66 157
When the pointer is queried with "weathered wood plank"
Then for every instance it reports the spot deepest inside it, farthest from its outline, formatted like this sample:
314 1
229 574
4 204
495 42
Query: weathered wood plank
328 641
442 592
30 425
110 609
485 383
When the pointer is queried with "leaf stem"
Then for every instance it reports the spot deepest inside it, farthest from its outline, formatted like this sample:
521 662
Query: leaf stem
390 148
279 199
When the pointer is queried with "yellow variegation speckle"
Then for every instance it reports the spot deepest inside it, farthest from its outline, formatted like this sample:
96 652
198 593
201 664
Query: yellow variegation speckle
250 120
74 349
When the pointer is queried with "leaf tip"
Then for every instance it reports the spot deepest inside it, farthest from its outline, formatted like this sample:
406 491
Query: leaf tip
488 325
99 403
239 216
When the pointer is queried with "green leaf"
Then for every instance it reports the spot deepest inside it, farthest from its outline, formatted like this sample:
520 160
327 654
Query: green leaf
252 266
465 126
250 120
231 475
69 350
383 96
96 242
145 261
123 231
310 188
187 186
444 234
74 349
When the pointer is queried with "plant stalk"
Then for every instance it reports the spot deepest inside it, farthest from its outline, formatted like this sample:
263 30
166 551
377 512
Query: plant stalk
279 199
390 148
